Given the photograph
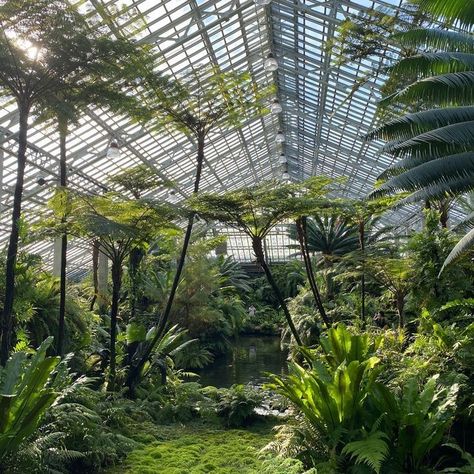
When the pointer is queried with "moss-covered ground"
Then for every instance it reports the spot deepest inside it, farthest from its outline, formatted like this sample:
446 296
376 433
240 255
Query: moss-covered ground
200 449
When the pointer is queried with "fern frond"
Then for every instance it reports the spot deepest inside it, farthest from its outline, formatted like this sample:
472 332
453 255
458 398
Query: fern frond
371 451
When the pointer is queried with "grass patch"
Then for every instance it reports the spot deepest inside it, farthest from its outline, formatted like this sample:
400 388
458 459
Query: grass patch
196 449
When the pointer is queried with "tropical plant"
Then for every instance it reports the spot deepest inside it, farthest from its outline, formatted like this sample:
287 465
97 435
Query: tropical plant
201 102
121 226
237 404
25 394
435 141
428 250
331 396
256 211
417 421
46 48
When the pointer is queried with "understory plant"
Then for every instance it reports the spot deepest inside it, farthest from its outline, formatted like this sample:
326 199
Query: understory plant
346 420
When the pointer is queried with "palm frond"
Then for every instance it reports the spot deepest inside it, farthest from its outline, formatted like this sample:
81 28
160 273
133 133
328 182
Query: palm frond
456 88
456 11
454 166
466 224
433 64
440 189
443 40
443 139
414 124
466 243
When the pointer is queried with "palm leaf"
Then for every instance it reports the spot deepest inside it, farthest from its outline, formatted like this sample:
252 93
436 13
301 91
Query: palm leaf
466 243
441 189
456 88
417 159
443 139
433 64
443 40
414 124
458 11
454 166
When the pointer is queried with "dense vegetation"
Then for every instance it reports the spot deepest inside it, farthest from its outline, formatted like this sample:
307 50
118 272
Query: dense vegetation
97 373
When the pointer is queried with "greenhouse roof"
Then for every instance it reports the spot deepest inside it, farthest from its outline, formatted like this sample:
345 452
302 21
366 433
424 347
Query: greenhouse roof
322 126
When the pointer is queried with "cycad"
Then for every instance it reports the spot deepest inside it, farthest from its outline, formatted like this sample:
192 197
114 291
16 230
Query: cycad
436 142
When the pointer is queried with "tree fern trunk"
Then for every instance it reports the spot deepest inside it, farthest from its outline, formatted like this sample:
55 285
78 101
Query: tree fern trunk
258 250
136 369
302 239
116 287
362 279
12 251
63 261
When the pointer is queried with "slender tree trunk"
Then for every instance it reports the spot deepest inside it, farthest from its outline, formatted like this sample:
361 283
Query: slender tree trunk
303 241
444 215
258 250
12 252
95 269
362 278
400 302
63 262
136 369
116 287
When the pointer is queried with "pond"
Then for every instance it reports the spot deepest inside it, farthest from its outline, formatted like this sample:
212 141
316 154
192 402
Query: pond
250 359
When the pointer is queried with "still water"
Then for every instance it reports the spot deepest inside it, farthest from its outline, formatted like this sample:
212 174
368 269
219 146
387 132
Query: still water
248 362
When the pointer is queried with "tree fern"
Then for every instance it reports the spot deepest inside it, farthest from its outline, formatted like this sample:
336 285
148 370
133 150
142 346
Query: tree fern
371 451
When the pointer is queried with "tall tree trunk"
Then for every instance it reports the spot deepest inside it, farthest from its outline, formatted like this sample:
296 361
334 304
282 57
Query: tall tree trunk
95 269
258 250
136 369
63 262
12 252
362 279
116 287
303 241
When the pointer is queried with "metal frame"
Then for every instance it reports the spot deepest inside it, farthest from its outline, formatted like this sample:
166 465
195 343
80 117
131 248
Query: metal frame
322 131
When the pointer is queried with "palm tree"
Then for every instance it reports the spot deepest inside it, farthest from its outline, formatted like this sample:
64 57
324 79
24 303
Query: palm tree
329 236
435 143
46 47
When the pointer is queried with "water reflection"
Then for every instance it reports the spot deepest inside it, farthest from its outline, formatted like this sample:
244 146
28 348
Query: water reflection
250 359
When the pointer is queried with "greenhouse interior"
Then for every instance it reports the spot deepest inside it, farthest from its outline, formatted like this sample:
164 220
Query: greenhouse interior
237 236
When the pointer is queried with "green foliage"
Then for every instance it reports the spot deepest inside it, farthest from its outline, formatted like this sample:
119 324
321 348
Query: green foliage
25 394
237 404
202 99
331 398
429 249
346 416
138 180
372 450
